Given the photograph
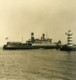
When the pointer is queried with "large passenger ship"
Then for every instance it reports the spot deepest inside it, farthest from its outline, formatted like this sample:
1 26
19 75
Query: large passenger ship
44 43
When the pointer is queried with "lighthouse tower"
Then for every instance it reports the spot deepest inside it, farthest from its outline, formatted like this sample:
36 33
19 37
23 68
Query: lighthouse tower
69 38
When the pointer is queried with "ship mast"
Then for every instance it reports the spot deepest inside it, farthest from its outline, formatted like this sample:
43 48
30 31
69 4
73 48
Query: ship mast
69 38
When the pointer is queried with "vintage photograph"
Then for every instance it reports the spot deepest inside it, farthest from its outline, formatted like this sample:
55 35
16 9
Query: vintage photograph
37 39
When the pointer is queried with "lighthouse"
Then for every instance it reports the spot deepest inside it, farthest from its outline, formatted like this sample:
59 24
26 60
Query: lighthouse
69 46
69 38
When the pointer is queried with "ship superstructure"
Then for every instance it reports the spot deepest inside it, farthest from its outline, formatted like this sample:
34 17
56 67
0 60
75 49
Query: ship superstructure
42 41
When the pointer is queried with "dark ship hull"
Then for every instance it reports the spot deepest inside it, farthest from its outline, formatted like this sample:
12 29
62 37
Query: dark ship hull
6 47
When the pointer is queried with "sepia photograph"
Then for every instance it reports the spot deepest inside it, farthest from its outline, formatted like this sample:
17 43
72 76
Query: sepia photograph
37 39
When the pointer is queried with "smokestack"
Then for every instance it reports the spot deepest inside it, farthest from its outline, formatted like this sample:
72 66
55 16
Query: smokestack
32 37
32 34
43 36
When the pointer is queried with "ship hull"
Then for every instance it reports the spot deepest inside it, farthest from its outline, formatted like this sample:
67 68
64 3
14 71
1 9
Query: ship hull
5 47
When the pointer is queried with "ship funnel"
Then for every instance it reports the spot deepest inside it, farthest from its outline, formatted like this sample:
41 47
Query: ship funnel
32 37
43 36
32 34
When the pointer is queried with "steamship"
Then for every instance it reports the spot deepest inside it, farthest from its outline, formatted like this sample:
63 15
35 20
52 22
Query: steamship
32 43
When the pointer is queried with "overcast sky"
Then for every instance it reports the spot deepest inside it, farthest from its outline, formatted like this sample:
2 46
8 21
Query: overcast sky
21 17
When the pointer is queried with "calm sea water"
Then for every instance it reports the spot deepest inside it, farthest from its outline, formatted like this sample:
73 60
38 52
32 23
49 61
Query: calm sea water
37 65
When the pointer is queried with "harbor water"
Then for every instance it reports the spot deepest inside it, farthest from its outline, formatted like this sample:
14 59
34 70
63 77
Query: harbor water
37 65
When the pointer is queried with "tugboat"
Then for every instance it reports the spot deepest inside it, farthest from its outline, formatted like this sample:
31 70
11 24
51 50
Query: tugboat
69 46
45 43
